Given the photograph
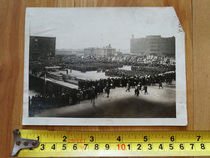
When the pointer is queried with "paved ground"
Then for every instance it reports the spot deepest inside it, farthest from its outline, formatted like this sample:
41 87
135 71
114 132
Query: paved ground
159 103
89 75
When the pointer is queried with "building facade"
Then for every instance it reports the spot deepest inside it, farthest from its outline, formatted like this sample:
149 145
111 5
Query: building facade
109 51
153 45
42 47
105 51
93 51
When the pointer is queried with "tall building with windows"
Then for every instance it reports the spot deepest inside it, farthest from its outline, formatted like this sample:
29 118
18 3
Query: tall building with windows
155 45
42 47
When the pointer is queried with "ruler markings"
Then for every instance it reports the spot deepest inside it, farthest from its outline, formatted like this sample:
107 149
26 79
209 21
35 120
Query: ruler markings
145 145
62 143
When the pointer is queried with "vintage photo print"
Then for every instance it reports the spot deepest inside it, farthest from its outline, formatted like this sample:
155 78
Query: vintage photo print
104 66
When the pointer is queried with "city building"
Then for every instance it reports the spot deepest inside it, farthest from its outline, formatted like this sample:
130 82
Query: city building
42 47
93 51
153 45
105 51
109 51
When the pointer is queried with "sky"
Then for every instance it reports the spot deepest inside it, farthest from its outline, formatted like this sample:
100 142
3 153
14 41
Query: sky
79 28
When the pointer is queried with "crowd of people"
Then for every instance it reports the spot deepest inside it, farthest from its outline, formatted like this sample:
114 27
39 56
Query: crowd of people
150 70
141 75
89 90
41 102
93 66
92 63
125 59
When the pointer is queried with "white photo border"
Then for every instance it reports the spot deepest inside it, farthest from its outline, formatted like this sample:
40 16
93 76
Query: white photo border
181 106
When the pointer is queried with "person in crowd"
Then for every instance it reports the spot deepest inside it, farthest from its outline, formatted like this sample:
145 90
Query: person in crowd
139 86
107 90
78 98
145 89
92 95
127 87
160 84
136 91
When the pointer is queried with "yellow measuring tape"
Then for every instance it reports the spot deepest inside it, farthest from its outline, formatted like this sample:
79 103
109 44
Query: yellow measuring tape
139 143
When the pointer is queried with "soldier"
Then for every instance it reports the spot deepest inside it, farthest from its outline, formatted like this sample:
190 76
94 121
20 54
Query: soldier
81 95
128 87
160 84
78 97
107 90
145 89
139 86
92 95
136 91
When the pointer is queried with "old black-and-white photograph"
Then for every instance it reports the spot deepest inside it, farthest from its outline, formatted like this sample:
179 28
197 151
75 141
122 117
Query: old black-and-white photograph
104 66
